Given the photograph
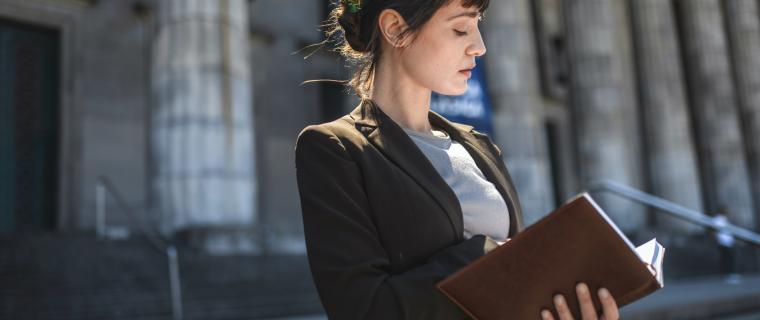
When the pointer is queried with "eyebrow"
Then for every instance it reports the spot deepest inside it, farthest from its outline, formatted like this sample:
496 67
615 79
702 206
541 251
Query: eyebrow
471 14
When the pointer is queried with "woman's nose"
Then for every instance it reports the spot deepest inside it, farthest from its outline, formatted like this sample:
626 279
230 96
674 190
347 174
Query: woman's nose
479 47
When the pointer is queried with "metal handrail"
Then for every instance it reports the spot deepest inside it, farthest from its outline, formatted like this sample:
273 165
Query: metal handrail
103 187
673 209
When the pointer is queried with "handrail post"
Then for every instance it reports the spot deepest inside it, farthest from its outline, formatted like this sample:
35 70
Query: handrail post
100 210
174 283
104 188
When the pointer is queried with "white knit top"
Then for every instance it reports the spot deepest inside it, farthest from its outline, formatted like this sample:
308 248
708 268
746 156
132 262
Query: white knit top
483 208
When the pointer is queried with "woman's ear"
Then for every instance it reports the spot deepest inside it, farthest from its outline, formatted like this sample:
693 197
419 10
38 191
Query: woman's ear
391 25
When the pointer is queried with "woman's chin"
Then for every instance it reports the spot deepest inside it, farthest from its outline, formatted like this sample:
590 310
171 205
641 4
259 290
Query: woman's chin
455 91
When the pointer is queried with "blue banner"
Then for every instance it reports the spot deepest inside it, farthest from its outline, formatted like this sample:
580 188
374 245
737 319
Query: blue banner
472 108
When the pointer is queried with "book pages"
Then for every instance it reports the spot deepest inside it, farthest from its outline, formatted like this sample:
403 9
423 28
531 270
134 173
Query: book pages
652 253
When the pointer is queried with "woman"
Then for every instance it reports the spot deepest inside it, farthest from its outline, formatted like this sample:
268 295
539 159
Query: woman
395 197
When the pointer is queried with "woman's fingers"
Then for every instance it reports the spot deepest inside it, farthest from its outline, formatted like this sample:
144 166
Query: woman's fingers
584 299
546 315
560 304
588 312
562 309
609 306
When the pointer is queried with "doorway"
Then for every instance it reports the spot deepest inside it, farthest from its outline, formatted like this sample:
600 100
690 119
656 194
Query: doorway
29 127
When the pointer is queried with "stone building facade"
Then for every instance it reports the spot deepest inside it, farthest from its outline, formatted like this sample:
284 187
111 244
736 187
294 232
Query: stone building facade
192 107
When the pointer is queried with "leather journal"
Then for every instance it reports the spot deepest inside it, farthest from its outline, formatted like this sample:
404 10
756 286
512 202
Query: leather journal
575 243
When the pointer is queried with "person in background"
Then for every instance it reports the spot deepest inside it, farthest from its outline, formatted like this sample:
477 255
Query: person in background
726 248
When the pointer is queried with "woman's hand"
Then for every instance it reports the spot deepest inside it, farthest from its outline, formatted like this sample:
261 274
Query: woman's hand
609 306
503 242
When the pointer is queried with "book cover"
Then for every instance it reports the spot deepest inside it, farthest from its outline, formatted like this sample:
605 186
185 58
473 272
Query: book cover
575 243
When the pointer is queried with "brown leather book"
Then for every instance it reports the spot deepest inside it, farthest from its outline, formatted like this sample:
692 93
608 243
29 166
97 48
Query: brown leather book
575 243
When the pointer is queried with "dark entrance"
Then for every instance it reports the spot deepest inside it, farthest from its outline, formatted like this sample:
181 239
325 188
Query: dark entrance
29 107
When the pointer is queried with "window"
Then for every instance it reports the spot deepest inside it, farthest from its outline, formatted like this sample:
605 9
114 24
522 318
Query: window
551 47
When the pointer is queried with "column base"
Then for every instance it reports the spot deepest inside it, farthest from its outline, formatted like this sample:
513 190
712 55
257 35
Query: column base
222 240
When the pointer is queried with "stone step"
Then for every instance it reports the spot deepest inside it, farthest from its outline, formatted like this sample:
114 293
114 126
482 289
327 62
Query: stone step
304 317
78 277
688 257
705 298
754 315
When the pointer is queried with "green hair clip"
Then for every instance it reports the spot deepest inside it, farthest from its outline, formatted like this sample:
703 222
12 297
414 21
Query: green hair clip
353 6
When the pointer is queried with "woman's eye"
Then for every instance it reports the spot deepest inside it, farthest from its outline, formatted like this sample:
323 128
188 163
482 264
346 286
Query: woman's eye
460 33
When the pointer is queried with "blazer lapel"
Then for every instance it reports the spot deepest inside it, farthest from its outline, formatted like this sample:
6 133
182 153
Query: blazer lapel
392 141
388 137
489 165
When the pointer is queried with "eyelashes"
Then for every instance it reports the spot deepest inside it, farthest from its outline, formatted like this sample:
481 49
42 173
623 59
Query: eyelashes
464 32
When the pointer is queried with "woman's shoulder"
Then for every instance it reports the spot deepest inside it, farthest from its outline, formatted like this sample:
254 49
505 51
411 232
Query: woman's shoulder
342 131
343 126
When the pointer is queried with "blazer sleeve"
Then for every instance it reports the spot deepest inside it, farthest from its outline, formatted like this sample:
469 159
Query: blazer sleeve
346 257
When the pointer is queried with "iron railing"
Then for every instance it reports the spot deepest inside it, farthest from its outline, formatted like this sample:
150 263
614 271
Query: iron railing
673 209
104 187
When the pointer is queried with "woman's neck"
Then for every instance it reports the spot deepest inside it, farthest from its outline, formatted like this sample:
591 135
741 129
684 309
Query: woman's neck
404 101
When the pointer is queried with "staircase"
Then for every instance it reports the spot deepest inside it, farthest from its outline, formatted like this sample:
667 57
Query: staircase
706 298
53 276
697 256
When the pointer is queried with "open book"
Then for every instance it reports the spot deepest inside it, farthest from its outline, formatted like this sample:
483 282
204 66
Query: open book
575 243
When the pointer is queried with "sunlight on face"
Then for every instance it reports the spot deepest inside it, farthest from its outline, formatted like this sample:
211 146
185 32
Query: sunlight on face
447 44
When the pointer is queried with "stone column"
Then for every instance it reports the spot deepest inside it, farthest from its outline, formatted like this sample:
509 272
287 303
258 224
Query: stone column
744 35
725 178
202 123
672 162
513 83
602 106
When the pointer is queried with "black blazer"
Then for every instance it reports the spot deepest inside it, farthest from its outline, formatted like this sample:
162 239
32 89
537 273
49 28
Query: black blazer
381 225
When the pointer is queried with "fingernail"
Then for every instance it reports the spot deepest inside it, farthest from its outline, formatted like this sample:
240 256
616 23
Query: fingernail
545 314
581 287
604 293
558 299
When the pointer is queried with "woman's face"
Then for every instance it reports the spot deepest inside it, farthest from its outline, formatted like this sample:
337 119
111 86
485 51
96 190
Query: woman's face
444 48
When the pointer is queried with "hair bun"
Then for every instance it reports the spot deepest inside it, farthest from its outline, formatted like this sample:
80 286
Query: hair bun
352 31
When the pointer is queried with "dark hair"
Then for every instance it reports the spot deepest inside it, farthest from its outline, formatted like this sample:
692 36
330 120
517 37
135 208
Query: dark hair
357 35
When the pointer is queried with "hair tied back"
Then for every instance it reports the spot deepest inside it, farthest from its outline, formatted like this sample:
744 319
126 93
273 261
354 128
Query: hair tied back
352 6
